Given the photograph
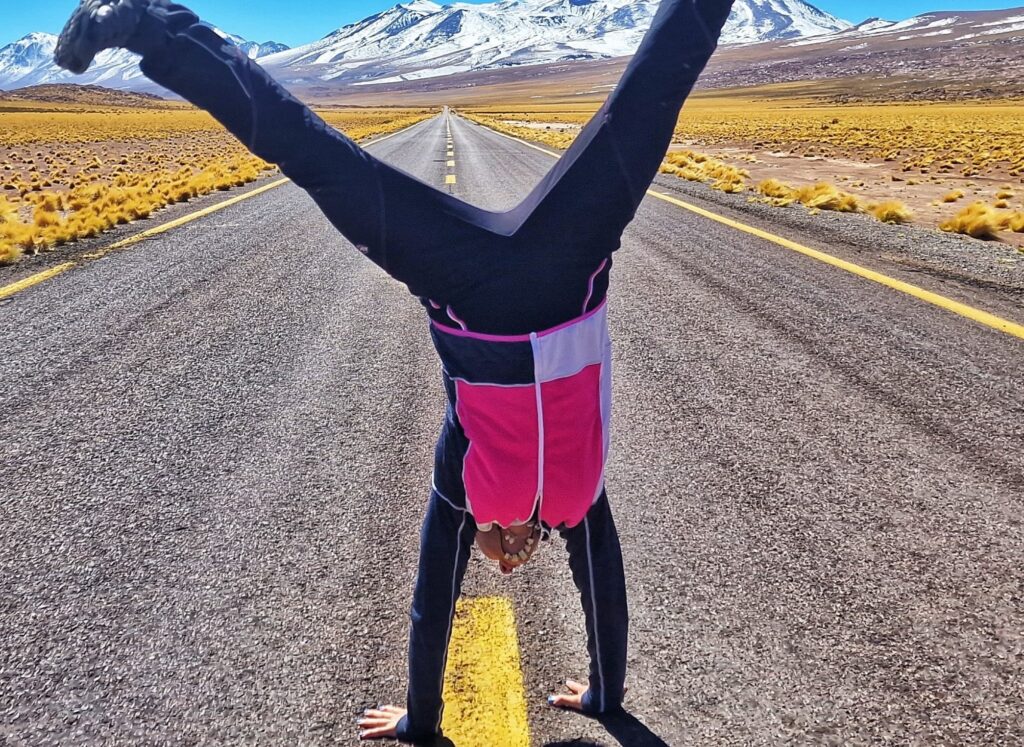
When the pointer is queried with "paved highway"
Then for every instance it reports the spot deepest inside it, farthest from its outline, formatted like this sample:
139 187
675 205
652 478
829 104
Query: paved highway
216 447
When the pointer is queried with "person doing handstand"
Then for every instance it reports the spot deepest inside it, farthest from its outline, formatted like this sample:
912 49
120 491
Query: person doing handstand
517 308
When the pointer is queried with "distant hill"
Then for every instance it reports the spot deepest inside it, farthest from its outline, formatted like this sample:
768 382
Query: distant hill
68 93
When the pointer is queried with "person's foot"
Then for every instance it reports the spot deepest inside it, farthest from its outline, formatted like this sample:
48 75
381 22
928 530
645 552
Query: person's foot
380 723
573 700
94 26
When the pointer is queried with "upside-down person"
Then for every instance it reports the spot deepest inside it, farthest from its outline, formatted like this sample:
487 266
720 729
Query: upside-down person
516 302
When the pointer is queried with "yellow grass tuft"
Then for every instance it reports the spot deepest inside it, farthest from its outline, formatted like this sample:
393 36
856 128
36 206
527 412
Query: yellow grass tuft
825 196
775 188
956 194
104 169
43 218
979 220
820 196
698 167
9 254
8 212
891 211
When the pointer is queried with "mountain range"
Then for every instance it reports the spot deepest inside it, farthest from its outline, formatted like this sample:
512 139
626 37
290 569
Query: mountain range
422 39
945 55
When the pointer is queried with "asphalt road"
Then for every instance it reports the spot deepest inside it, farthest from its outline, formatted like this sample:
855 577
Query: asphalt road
216 448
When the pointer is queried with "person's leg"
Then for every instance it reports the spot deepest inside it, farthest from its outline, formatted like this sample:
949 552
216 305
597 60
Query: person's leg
418 234
595 558
445 543
593 192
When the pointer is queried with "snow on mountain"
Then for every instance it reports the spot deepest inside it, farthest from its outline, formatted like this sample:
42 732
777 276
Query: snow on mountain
29 62
255 50
422 39
953 26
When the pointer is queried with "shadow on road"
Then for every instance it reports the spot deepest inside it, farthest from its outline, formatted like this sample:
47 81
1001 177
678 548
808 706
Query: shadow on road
624 728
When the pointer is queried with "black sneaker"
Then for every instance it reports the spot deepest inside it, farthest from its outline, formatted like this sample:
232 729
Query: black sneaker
94 26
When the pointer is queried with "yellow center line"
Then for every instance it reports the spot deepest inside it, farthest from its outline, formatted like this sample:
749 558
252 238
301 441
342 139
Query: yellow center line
450 178
969 312
485 700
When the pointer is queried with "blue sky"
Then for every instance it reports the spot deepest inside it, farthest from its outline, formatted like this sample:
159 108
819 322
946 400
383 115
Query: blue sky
297 22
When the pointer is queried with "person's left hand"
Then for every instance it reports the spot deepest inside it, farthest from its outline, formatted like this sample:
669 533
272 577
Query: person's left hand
380 723
573 699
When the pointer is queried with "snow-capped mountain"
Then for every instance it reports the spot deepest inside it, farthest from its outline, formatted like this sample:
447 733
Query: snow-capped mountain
421 39
255 50
947 26
943 55
29 62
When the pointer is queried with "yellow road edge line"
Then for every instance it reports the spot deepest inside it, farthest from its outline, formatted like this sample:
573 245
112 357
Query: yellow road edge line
977 315
9 290
184 220
484 695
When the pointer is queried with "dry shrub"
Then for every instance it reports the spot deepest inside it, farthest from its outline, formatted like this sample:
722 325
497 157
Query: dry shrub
825 196
775 189
820 196
698 167
43 218
9 253
891 211
111 168
8 212
979 220
956 194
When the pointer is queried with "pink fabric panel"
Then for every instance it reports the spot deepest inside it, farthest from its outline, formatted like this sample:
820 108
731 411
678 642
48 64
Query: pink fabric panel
501 467
574 445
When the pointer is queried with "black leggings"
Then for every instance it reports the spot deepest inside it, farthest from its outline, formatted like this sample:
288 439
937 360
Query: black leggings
595 559
503 273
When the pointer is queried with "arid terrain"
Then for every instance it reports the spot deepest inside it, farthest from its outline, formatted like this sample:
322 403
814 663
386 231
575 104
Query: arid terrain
955 165
919 122
75 162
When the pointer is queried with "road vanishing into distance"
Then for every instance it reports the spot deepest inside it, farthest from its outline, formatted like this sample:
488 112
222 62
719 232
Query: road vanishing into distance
216 451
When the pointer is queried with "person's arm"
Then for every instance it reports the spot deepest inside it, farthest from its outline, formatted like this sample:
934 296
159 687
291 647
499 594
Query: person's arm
593 192
416 233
